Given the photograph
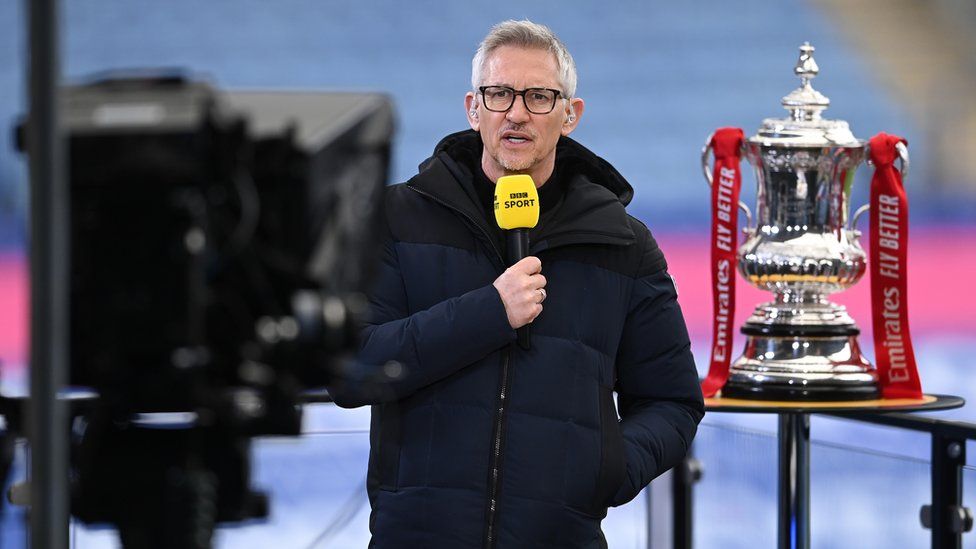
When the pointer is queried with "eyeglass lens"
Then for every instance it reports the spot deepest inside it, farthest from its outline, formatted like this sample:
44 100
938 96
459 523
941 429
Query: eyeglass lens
537 100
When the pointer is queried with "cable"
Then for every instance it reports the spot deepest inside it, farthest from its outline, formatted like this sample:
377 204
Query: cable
342 518
250 203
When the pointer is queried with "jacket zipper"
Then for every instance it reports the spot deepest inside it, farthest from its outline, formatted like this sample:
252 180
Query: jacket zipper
496 453
494 481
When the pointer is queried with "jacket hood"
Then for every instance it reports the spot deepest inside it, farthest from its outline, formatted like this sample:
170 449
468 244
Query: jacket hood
591 210
465 147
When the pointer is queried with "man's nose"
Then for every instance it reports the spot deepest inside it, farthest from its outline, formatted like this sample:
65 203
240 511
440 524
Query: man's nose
518 113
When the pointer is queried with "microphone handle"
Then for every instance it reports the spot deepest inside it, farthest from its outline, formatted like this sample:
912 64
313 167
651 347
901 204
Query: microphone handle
517 249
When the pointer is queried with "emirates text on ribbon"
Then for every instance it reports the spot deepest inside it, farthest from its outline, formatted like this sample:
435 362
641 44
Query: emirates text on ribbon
721 349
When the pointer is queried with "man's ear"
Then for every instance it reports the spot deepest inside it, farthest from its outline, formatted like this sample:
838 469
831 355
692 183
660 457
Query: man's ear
471 106
574 111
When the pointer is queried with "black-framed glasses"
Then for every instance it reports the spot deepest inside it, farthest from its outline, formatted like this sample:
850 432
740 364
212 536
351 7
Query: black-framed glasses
536 100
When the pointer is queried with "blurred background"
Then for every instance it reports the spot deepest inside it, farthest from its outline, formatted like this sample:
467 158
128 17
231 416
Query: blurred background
657 78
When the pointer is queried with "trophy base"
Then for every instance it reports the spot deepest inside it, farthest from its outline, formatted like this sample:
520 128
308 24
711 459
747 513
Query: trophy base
807 367
773 392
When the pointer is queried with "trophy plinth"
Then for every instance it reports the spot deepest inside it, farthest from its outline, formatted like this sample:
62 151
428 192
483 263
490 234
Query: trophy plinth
802 368
800 346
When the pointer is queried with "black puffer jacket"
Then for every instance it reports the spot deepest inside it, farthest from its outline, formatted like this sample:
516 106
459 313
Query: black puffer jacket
478 443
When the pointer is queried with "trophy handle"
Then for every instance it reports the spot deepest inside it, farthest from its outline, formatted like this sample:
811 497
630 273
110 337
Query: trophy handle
857 215
903 155
707 171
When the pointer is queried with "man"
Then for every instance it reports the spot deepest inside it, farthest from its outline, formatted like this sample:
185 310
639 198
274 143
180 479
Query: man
476 442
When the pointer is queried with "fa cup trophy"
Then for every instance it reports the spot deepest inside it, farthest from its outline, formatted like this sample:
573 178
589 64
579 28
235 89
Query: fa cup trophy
802 248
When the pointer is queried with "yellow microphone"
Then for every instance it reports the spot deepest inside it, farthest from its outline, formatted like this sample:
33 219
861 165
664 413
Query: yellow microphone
516 202
517 211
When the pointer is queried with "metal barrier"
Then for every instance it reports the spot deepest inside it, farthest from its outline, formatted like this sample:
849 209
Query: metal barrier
946 517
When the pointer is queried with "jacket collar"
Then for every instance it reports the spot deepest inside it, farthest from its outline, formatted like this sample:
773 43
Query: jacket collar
592 208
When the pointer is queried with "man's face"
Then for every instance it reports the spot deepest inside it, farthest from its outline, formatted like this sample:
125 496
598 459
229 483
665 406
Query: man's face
518 141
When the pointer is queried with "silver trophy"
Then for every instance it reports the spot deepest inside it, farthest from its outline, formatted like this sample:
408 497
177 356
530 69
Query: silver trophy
803 248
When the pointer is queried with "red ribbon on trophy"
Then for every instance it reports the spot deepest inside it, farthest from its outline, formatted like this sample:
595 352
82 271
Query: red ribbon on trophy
726 145
894 354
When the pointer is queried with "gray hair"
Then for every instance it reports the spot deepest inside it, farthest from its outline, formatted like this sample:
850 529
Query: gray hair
525 34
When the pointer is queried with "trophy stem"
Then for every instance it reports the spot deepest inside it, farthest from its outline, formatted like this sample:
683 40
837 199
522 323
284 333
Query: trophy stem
790 317
791 296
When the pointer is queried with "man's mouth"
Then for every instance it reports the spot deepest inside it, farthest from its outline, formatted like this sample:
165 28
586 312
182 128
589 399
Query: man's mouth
515 138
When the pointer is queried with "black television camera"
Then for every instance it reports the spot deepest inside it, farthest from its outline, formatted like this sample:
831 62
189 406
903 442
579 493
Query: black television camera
220 244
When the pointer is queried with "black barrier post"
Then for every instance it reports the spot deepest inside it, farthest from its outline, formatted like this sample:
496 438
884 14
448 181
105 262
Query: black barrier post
947 513
47 419
945 516
794 481
648 514
683 479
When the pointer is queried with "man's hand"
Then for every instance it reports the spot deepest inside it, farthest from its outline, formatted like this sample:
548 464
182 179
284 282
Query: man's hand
521 287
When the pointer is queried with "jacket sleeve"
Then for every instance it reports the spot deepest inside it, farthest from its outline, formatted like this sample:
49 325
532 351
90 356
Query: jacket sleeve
659 396
401 352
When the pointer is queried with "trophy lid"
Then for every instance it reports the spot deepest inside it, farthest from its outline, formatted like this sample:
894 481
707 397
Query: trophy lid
805 127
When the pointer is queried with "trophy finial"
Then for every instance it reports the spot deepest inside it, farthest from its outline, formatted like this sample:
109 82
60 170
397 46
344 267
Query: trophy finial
806 66
806 103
